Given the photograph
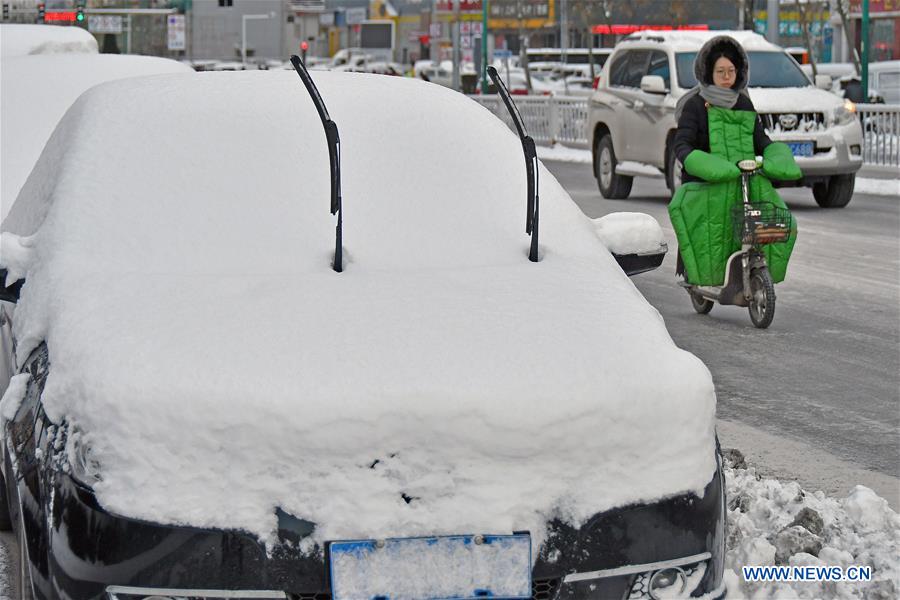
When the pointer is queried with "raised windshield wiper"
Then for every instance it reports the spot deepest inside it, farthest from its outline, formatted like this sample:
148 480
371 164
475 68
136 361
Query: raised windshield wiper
531 166
334 158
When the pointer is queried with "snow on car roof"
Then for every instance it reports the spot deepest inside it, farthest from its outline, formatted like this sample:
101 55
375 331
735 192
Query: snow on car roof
219 368
36 91
686 41
21 40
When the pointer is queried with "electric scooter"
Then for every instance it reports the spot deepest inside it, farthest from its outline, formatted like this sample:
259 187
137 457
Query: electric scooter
747 281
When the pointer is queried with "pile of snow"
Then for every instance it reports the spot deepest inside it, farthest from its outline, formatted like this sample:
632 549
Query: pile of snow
36 91
777 523
21 40
200 339
629 233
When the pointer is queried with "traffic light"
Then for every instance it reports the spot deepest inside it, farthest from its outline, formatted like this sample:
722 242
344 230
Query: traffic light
42 13
303 48
79 14
6 11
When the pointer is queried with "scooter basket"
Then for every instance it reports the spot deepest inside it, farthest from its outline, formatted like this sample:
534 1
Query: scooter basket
761 223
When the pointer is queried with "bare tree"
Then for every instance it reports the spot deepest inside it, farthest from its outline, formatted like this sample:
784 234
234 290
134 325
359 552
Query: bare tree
803 10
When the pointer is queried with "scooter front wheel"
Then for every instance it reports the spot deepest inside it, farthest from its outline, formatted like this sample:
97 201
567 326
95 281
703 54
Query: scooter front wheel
700 304
762 298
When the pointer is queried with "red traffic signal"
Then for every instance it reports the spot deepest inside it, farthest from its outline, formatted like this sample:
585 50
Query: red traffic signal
304 46
41 12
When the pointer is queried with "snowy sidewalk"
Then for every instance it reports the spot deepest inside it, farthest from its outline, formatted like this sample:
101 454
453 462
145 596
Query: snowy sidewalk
878 187
772 522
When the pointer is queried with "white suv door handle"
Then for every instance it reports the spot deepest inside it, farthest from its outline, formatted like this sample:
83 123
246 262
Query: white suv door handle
638 105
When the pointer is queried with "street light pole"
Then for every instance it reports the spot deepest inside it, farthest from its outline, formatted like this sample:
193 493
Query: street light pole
484 46
244 19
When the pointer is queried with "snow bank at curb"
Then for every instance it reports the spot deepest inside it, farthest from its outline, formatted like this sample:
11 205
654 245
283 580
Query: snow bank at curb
772 522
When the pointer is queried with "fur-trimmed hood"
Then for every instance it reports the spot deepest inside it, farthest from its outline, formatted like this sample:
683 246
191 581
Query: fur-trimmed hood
709 53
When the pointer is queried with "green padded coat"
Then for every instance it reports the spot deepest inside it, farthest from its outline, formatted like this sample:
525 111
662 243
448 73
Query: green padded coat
701 212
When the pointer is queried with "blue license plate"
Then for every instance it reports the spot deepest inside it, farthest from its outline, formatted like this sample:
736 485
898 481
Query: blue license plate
459 567
801 148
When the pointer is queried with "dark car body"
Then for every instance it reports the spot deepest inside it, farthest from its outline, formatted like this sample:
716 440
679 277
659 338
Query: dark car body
76 549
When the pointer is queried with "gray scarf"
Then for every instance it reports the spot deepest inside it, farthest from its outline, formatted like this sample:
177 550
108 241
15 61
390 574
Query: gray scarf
715 95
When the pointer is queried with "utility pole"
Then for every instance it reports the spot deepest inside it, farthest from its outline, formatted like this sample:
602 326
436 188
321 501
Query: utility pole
772 21
563 30
864 43
484 46
456 60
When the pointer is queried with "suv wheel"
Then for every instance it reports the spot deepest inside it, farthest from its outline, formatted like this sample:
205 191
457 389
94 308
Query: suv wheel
612 186
836 192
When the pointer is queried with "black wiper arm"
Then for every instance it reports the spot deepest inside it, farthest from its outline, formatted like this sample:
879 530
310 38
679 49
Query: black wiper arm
334 158
531 166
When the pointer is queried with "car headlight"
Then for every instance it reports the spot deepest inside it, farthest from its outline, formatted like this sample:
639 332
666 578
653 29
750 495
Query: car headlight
846 113
85 468
668 582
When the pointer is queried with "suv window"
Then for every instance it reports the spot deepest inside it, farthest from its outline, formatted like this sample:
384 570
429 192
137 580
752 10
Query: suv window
767 69
629 67
659 65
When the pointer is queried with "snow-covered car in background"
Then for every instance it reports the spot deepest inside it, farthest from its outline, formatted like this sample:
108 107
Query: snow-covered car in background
203 403
26 40
631 116
44 70
885 77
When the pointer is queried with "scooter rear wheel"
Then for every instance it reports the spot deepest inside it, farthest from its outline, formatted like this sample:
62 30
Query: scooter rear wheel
700 304
762 298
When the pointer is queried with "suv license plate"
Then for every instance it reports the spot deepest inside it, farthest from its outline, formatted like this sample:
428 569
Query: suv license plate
801 148
463 567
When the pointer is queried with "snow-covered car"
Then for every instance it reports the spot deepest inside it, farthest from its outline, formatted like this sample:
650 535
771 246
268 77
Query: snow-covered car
885 77
202 402
44 70
631 115
25 40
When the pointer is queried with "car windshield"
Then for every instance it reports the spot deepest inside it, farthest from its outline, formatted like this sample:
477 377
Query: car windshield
767 69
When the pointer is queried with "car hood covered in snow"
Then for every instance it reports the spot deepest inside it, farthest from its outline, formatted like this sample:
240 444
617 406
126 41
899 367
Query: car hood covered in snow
442 383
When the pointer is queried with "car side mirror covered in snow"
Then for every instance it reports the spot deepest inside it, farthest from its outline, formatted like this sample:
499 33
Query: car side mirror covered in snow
823 82
634 239
653 84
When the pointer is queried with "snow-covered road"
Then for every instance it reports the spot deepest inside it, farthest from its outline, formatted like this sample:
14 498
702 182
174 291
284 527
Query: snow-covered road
821 384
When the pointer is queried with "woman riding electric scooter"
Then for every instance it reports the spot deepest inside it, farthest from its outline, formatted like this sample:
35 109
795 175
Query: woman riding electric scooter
735 235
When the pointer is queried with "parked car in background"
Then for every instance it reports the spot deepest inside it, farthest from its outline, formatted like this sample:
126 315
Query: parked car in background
845 81
631 114
44 70
798 53
436 387
885 76
547 58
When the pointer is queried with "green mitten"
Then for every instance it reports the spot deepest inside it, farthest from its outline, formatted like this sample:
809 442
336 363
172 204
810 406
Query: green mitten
710 167
779 163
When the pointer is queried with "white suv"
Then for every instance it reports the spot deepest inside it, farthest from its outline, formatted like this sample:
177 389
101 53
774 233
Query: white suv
632 123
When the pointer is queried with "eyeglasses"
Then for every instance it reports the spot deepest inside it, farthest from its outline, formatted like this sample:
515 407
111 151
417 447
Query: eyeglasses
725 72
